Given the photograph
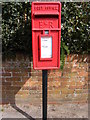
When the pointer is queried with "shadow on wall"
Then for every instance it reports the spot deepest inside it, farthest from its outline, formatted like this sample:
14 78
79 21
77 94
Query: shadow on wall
15 74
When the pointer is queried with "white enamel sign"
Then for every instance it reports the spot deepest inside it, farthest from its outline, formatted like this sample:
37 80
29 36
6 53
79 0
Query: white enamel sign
46 47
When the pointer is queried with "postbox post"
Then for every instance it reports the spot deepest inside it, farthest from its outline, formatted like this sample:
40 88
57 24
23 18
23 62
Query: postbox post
46 39
44 95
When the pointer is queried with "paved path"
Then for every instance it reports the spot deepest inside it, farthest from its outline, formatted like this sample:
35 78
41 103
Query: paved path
54 111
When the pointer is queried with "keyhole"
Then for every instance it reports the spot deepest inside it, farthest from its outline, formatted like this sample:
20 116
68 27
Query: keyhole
46 32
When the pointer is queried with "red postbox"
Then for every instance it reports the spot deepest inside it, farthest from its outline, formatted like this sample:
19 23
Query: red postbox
46 34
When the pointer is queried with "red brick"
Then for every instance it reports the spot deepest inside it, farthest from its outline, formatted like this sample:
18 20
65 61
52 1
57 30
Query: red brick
66 91
51 79
81 83
68 58
74 69
23 78
83 73
26 92
64 78
6 88
16 70
81 91
6 83
13 79
2 79
71 74
73 87
59 74
6 74
15 83
6 64
16 88
72 83
20 74
64 83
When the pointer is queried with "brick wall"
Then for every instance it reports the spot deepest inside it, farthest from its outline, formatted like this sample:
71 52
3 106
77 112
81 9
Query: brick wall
22 84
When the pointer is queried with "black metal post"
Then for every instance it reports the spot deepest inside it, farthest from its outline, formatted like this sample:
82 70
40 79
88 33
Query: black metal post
44 93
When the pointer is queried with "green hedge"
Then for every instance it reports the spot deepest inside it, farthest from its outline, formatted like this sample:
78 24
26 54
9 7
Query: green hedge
75 26
16 28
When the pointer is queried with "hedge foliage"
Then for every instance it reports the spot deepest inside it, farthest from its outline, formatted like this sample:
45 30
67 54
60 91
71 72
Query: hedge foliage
16 28
75 26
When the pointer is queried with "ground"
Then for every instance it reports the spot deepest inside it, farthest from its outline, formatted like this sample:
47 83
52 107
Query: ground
66 110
